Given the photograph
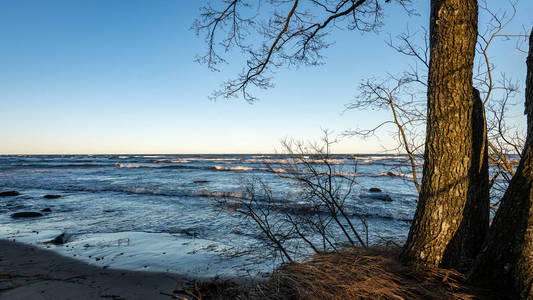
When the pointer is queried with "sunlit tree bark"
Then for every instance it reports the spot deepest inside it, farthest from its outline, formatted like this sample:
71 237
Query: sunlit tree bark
473 229
455 174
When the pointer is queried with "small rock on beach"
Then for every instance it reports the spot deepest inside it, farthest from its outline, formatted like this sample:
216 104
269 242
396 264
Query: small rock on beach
61 239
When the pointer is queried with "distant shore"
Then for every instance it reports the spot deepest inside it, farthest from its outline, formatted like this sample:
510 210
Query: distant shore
28 272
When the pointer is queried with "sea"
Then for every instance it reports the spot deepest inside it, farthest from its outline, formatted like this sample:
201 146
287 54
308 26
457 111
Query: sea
161 213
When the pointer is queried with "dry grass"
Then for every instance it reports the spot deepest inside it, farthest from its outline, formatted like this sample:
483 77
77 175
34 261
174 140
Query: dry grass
362 274
353 273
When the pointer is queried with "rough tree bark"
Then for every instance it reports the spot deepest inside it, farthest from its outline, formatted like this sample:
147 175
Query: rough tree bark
473 229
507 258
448 182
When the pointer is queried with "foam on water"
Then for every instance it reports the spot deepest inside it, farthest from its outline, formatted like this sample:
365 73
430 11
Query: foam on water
234 168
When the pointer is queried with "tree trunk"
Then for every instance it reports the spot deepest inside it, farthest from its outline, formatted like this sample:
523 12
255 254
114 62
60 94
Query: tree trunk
449 158
507 258
474 227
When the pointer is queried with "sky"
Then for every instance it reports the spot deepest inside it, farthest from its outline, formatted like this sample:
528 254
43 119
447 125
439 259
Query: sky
110 76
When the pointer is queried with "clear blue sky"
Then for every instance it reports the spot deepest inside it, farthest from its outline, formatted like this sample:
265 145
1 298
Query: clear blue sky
115 76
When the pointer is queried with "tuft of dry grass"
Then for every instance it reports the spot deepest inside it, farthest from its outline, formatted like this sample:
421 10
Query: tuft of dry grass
210 290
351 273
362 274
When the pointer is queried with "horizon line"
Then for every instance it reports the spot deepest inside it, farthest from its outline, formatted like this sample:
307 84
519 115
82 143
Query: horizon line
147 154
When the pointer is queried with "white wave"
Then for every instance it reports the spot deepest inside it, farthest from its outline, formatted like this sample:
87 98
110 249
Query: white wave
329 161
346 174
123 157
236 168
180 161
377 158
298 160
126 165
216 159
394 174
259 156
302 172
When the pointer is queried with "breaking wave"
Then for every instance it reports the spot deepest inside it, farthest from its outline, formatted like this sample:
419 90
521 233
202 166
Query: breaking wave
236 168
394 174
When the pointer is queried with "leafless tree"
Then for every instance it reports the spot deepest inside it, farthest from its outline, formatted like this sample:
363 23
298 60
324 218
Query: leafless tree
404 95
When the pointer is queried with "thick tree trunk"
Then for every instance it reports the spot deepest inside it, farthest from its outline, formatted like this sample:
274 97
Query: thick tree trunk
507 258
473 229
450 158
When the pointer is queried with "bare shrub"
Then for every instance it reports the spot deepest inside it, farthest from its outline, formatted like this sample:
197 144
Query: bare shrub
314 217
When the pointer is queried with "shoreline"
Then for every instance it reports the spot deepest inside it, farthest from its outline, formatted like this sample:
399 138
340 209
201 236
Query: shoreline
185 256
28 272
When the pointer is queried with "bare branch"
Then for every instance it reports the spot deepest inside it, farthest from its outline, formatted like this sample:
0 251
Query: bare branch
294 33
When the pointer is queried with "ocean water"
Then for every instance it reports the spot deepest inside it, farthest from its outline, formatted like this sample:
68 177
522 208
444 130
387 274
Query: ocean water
157 212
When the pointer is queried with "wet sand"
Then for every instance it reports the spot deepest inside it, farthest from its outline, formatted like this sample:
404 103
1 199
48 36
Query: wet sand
27 272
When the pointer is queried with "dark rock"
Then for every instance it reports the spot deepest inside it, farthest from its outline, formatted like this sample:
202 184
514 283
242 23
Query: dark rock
9 194
108 210
189 233
61 239
51 196
392 174
46 210
201 181
374 190
26 214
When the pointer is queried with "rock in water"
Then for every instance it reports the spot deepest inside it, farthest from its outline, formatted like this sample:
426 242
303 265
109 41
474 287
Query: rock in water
9 194
51 196
374 190
46 210
26 214
201 181
61 239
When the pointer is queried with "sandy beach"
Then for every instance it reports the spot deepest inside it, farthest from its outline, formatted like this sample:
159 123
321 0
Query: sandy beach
27 272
